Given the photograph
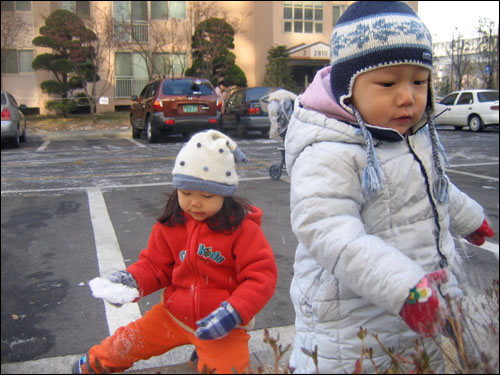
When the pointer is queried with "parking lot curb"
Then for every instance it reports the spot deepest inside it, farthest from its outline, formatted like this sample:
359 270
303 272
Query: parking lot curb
82 134
173 362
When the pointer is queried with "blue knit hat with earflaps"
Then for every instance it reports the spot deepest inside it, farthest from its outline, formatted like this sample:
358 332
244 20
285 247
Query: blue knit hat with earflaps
376 34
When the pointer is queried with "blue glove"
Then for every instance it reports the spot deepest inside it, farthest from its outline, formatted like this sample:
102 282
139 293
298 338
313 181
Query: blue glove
218 323
123 277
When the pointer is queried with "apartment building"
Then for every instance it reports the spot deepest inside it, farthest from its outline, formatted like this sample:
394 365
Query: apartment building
303 26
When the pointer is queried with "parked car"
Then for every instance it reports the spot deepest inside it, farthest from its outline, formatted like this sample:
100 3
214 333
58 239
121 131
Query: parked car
174 105
243 111
13 120
476 109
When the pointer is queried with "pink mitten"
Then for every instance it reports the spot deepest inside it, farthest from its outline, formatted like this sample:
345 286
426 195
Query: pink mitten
421 310
479 236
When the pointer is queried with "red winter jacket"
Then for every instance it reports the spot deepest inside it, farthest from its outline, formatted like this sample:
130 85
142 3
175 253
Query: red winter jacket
201 268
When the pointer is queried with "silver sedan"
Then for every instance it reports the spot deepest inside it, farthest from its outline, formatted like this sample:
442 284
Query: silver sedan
13 120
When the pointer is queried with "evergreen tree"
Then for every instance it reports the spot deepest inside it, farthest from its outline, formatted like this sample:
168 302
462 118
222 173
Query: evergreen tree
69 39
212 58
278 69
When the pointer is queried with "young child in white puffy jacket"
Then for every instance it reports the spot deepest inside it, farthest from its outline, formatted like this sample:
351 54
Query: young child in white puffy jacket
371 206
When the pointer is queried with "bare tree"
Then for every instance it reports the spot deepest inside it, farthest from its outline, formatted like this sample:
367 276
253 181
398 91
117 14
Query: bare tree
14 27
101 23
488 50
459 53
160 43
166 44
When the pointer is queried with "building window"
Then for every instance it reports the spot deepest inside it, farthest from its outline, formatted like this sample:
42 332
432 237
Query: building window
169 64
168 9
303 16
17 61
159 10
337 12
177 9
131 21
19 6
131 74
80 8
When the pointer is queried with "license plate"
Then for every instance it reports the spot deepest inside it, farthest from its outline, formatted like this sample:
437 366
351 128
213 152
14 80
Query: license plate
190 108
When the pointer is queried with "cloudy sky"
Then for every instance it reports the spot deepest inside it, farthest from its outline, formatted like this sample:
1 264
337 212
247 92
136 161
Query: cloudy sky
442 17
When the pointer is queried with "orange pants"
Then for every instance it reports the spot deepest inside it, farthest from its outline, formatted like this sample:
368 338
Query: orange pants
156 333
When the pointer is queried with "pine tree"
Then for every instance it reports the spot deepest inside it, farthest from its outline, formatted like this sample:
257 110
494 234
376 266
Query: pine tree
278 69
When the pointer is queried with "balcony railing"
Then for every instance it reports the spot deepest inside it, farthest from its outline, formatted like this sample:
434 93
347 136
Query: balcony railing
140 31
135 31
125 87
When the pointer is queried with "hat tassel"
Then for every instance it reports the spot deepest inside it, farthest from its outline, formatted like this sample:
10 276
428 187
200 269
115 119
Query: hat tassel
372 182
441 184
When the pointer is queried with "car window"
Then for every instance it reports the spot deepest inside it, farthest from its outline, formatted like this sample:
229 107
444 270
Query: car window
4 99
13 101
449 100
150 90
143 92
185 87
238 97
257 93
154 88
465 98
487 96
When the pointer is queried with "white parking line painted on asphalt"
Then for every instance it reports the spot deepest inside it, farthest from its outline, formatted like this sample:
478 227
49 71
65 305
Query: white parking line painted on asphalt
109 258
111 187
473 164
473 175
43 146
135 142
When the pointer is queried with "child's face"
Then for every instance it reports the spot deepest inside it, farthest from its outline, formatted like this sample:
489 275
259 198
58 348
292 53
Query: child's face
394 97
198 204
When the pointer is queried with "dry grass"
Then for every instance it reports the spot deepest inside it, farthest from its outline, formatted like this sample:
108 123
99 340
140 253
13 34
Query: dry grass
52 123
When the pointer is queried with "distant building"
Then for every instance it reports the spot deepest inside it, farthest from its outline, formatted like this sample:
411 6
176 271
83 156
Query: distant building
303 26
474 61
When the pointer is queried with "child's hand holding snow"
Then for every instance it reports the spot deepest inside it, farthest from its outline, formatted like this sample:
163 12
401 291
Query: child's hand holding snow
115 293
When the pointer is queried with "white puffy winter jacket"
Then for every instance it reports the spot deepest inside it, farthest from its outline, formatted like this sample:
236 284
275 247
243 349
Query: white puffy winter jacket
357 259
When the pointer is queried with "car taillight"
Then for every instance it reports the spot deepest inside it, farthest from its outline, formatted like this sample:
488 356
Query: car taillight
212 121
218 104
170 122
493 108
158 106
5 114
253 111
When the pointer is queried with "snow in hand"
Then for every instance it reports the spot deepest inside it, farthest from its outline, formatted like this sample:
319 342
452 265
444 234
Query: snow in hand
112 292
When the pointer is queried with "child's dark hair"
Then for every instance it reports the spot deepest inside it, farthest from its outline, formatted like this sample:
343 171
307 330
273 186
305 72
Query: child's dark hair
233 211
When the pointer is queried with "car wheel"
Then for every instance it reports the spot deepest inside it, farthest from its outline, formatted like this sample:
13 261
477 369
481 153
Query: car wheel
275 172
22 138
15 139
152 136
475 123
240 130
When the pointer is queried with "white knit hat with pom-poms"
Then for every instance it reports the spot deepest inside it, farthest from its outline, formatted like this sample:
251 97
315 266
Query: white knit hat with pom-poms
208 163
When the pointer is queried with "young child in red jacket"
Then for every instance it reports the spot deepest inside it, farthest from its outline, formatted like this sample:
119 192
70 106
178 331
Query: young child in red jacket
209 254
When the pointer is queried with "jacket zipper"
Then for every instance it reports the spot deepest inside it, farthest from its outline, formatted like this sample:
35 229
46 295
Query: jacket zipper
444 261
193 251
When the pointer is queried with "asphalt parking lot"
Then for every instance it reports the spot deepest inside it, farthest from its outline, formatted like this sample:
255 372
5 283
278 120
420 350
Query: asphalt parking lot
54 190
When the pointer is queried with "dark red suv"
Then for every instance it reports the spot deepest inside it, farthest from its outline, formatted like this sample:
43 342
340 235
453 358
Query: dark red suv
175 105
